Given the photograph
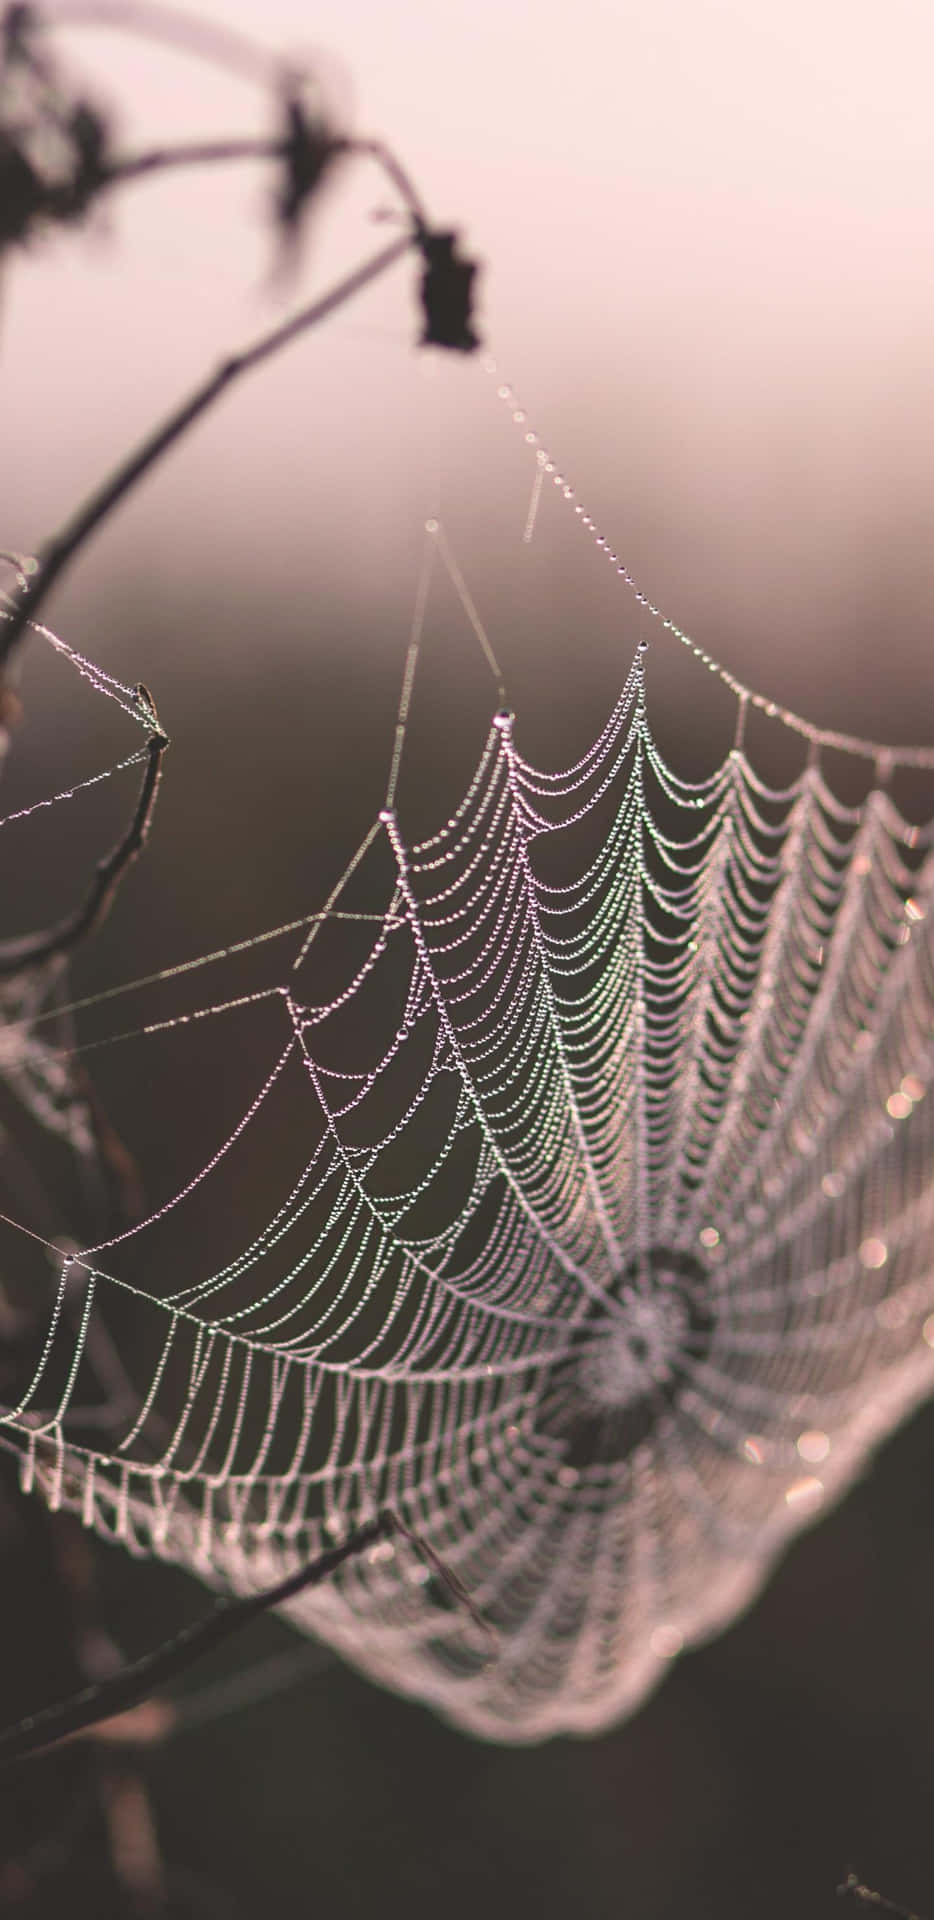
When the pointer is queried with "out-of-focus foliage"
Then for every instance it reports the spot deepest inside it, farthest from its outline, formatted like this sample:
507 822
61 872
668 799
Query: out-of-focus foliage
54 143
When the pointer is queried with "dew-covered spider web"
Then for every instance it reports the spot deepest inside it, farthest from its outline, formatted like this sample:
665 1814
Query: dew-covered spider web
603 1246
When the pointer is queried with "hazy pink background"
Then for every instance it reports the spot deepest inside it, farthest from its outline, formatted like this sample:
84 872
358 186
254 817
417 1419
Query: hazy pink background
710 274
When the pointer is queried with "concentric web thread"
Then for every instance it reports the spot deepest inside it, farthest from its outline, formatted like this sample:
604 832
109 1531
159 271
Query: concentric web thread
604 1252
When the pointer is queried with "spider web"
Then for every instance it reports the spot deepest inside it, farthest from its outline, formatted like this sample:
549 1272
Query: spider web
602 1250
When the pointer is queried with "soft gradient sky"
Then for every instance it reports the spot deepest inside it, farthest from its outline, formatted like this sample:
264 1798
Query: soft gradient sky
709 273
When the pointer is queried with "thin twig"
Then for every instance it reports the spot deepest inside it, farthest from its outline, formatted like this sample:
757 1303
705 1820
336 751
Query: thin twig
73 535
223 47
199 153
137 1681
393 168
193 153
121 1691
33 949
448 1577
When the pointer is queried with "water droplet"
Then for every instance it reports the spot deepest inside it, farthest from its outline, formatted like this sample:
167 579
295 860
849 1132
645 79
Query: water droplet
807 1492
873 1253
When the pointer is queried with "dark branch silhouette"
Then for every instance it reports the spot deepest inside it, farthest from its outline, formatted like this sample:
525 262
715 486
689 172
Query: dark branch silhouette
32 195
56 556
124 1690
33 949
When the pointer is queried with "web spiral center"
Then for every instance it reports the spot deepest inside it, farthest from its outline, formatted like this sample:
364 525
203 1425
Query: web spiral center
630 1358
